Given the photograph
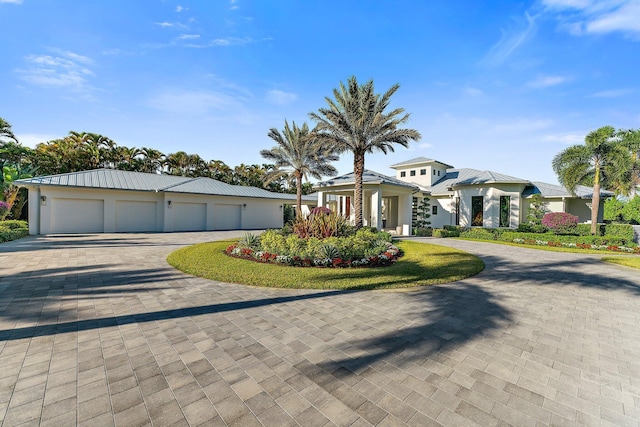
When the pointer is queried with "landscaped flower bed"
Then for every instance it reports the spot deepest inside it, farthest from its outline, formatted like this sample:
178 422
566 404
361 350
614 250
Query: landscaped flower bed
321 239
388 257
611 248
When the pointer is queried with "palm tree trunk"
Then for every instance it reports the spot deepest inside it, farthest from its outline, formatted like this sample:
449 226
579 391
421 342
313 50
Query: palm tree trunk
358 170
298 195
595 207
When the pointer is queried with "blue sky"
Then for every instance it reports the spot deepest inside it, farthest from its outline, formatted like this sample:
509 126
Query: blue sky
491 85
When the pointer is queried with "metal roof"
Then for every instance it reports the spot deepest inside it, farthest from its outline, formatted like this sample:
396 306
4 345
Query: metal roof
551 190
113 179
418 160
457 177
368 177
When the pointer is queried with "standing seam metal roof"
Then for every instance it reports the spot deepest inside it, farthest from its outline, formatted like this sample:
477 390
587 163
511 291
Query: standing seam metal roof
113 179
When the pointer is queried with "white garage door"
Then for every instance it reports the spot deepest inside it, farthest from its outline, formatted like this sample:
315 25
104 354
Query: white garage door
227 217
77 216
135 216
189 216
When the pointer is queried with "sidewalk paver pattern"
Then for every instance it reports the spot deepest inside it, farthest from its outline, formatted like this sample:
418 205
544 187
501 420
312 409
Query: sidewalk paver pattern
99 330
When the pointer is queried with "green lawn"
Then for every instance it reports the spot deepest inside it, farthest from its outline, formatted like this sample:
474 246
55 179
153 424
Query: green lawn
422 264
628 261
542 248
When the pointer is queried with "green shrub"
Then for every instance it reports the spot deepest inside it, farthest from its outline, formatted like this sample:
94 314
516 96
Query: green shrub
560 222
550 237
13 230
613 209
442 232
624 231
528 227
479 233
13 224
423 231
321 224
631 210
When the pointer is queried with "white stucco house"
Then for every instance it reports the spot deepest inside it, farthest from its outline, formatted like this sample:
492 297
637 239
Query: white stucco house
108 200
465 197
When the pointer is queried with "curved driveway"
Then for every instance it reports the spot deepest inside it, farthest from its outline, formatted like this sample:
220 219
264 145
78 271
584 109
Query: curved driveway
100 330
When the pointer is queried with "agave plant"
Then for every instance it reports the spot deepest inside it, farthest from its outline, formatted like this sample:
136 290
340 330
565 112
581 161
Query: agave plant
328 251
249 240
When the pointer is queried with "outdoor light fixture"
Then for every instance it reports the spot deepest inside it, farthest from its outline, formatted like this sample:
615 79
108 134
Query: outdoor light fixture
43 200
244 205
169 203
280 206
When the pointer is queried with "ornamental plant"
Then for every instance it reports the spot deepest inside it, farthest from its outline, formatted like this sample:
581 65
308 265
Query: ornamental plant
4 209
560 222
322 223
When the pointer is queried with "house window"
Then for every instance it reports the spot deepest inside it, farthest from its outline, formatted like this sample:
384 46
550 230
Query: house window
403 174
438 173
412 173
434 210
505 211
477 207
434 171
423 171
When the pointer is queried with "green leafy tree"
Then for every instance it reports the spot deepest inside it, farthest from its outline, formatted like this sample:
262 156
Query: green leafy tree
298 154
537 209
613 209
598 163
6 134
357 121
631 210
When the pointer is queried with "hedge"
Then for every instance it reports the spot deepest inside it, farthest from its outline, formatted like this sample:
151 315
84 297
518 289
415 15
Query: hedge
590 240
13 230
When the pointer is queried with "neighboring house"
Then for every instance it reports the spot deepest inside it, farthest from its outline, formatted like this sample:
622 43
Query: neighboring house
109 200
465 197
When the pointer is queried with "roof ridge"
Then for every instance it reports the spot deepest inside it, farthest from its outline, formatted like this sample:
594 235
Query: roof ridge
179 183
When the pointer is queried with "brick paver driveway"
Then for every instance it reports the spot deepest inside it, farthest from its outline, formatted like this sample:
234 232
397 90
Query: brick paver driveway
99 330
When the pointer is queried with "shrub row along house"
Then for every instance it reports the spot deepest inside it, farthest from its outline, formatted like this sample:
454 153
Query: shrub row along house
465 197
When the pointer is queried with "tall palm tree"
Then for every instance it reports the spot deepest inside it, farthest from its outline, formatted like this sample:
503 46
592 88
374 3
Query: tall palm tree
298 154
6 132
356 121
151 160
631 140
600 162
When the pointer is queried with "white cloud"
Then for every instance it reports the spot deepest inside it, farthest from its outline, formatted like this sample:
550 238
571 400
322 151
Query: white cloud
188 36
472 91
279 97
425 145
181 9
571 138
193 102
580 17
233 5
11 1
231 41
33 139
510 41
521 126
613 93
164 24
547 81
66 69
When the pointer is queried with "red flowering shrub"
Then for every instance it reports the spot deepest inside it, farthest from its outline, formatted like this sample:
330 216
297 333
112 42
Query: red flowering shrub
560 222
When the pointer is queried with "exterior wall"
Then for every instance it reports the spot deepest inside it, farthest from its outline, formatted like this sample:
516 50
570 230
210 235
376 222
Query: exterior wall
491 203
445 215
573 205
255 213
434 172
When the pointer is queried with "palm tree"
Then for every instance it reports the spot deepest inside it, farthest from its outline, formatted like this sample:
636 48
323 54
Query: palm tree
151 162
631 140
600 162
298 154
356 121
5 132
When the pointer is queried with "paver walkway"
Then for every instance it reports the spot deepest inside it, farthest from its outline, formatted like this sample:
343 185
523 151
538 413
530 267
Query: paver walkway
100 330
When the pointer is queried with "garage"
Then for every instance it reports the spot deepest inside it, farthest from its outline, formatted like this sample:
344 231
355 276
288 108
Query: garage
227 217
135 216
189 216
65 218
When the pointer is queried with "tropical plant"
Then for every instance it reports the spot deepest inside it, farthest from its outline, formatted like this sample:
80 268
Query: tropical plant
537 209
631 140
423 213
6 134
598 163
298 154
560 222
357 121
321 225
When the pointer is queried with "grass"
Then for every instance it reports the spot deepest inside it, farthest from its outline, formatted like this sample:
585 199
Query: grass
423 264
543 248
633 262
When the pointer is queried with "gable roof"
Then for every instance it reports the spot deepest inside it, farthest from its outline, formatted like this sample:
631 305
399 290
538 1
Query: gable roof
551 191
416 161
113 179
368 177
